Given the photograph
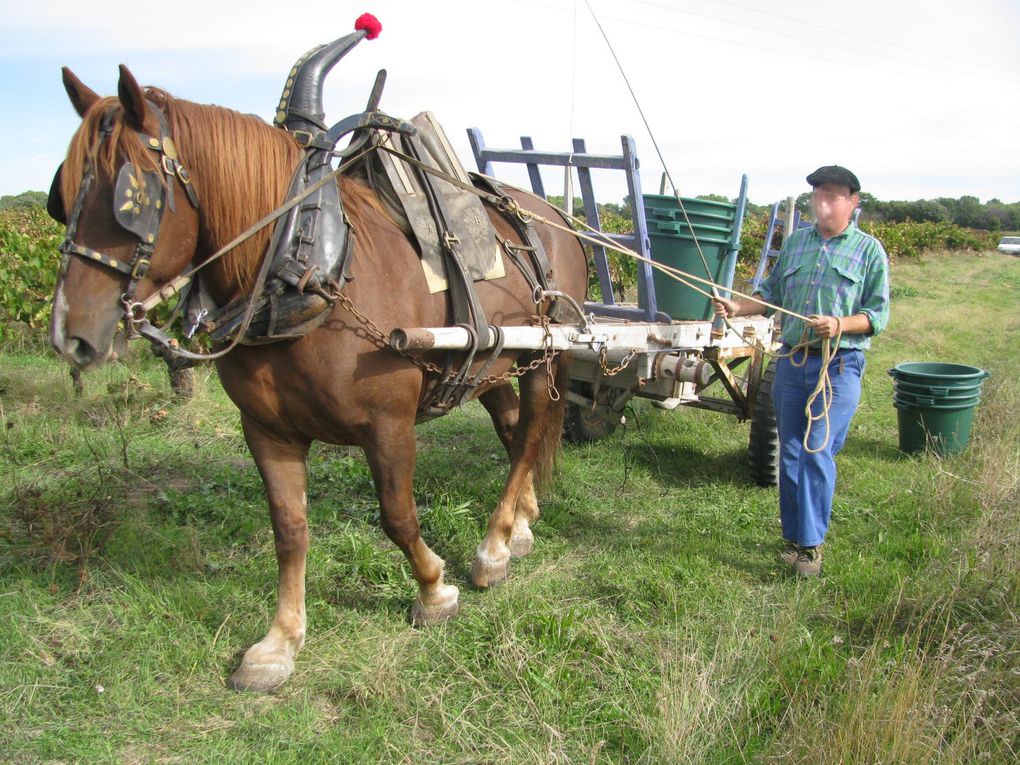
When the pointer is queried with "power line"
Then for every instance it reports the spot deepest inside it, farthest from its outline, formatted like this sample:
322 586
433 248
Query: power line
781 51
923 52
811 41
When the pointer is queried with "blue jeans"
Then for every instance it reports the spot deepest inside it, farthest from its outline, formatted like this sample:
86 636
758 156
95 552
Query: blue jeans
807 481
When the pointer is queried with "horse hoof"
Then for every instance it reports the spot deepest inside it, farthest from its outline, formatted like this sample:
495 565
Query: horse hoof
522 543
488 573
260 678
441 610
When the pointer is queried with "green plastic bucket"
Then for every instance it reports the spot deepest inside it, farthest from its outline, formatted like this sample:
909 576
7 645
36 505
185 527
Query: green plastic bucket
697 221
692 206
939 391
674 242
938 373
935 403
680 251
696 218
945 429
920 399
716 234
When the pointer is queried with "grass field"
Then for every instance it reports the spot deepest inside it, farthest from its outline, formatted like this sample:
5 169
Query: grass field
652 624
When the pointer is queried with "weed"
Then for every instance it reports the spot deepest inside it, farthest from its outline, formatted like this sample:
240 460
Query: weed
652 623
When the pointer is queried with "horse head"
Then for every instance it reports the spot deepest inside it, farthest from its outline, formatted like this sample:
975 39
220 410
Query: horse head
126 236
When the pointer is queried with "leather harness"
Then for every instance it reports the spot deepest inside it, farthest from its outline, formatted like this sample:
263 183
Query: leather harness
309 255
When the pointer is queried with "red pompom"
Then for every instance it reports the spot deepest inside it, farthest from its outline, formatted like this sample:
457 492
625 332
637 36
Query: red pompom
370 24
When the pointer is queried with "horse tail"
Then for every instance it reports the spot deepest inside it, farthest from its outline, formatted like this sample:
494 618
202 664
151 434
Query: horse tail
549 445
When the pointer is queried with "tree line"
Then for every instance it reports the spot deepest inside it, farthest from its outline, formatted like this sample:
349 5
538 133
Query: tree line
966 211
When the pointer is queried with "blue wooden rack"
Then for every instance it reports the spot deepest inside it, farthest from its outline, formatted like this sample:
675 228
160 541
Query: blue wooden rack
627 161
584 162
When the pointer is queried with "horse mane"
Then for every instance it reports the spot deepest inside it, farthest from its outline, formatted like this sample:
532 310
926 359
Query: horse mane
241 168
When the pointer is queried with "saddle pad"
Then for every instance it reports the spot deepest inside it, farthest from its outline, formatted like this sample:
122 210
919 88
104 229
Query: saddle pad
479 249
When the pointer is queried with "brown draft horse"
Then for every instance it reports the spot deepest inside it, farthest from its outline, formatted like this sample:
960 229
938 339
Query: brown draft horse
333 385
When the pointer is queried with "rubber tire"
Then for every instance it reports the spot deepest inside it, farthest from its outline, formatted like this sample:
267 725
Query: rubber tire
763 443
581 425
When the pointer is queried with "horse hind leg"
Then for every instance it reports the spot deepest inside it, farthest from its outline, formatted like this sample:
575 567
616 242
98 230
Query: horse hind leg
281 462
391 457
503 407
533 445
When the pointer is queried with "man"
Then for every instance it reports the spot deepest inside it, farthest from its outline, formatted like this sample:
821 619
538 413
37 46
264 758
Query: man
838 276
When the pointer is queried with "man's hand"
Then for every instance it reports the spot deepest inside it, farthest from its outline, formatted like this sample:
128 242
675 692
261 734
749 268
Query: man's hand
825 326
724 308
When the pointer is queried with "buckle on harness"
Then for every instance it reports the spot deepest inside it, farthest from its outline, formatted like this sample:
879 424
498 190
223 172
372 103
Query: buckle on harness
304 138
141 268
450 240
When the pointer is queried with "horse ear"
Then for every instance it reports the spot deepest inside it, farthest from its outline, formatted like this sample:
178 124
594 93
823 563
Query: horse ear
133 99
81 95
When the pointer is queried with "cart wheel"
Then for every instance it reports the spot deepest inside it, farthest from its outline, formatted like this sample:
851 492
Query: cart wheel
763 445
582 424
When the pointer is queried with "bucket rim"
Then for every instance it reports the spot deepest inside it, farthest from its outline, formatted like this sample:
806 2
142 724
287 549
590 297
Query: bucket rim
661 214
702 238
964 371
688 200
910 386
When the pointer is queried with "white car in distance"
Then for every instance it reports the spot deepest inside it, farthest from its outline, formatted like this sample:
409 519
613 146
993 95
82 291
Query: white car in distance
1010 245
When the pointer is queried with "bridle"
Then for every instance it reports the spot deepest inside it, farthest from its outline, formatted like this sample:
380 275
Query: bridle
139 201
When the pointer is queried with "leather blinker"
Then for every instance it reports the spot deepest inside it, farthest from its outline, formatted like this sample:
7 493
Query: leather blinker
138 202
54 201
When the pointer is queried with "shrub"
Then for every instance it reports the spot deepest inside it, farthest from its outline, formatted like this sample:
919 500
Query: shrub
909 239
29 260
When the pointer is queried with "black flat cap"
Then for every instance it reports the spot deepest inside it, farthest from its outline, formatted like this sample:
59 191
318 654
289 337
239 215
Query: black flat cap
835 174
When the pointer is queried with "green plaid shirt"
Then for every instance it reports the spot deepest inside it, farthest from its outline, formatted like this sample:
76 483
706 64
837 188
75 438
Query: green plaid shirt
841 276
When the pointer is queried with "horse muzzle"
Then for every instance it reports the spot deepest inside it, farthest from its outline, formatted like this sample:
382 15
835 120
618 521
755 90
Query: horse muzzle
80 349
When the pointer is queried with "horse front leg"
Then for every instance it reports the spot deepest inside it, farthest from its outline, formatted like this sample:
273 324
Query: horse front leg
391 458
503 407
536 417
281 462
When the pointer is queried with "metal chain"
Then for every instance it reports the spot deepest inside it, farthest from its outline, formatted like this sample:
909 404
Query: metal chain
380 339
613 371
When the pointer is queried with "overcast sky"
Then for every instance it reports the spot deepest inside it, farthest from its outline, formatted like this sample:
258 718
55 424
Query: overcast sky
920 98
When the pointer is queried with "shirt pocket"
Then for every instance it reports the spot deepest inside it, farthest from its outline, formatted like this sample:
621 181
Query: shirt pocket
847 272
845 288
790 282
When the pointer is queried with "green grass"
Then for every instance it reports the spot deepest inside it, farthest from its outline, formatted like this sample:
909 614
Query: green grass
652 624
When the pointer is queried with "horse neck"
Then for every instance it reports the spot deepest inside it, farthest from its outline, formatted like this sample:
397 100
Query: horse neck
241 169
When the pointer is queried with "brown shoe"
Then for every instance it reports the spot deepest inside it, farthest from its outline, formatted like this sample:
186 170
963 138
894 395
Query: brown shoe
790 552
809 561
